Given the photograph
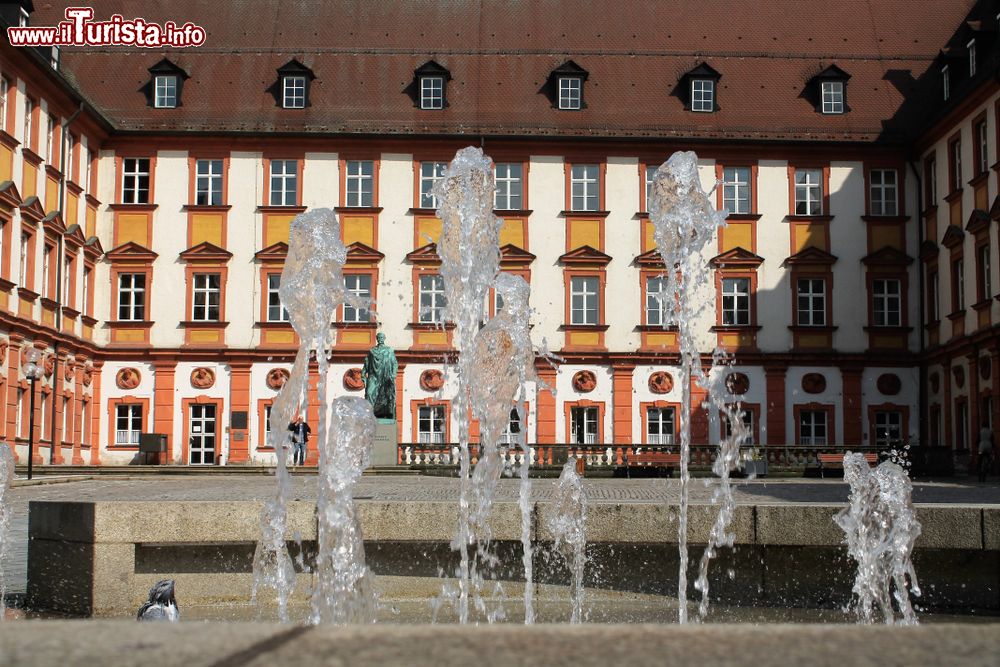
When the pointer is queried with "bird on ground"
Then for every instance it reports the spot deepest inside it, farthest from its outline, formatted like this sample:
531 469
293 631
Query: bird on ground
161 605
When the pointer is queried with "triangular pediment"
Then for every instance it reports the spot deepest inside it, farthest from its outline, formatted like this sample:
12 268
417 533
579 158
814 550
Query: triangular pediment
432 68
276 252
887 256
702 71
166 66
586 255
92 247
205 251
570 68
978 221
9 194
811 256
650 258
832 72
359 252
53 222
928 249
511 254
737 257
295 67
426 254
131 252
31 208
75 235
953 236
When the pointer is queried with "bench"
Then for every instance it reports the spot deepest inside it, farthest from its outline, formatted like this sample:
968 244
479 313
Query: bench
652 459
837 460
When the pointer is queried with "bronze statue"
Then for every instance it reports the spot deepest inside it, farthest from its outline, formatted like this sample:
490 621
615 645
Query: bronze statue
379 375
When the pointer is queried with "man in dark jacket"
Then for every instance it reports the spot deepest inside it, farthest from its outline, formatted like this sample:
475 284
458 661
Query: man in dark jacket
300 440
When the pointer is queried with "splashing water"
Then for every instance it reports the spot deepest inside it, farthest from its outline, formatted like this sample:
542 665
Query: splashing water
880 528
684 222
6 477
344 590
469 248
568 525
312 287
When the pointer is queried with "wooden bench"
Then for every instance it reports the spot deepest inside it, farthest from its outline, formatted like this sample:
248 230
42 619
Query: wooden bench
653 459
837 460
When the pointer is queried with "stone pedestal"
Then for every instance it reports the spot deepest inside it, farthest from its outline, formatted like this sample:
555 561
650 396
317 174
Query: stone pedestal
384 451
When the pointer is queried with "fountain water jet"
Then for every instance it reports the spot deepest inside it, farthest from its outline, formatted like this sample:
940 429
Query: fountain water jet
6 477
568 525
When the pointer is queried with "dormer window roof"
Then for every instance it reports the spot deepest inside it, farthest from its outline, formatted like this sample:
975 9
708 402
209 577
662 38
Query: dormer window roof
971 46
430 82
564 87
166 80
828 90
292 88
699 89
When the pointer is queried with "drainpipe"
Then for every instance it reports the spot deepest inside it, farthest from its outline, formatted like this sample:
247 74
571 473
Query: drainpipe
921 305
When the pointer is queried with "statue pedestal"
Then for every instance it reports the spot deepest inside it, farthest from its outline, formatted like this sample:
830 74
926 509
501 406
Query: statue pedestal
384 450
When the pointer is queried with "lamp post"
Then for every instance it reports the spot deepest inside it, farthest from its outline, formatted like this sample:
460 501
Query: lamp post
32 371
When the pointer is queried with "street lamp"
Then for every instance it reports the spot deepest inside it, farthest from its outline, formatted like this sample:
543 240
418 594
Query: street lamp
32 371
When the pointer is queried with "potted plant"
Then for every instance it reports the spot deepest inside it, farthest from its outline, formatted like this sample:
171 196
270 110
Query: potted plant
752 463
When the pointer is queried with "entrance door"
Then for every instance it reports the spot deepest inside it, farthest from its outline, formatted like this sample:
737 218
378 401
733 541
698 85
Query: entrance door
201 427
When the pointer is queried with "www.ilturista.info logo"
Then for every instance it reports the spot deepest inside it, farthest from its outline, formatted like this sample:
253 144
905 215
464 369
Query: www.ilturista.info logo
79 30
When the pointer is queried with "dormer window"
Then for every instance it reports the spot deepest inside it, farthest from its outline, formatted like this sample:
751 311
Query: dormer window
945 82
972 57
432 92
22 18
833 96
291 91
54 57
570 92
698 88
702 95
828 91
564 87
166 82
165 91
429 89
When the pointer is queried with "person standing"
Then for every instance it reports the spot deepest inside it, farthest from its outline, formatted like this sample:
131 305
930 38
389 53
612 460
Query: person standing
985 451
300 440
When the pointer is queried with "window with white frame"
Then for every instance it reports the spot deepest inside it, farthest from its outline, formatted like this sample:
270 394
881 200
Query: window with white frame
293 92
584 300
833 97
85 292
360 183
811 302
808 192
208 182
132 297
22 18
360 285
735 301
54 57
432 92
510 187
430 424
813 428
650 174
882 190
67 420
660 426
135 180
46 267
747 417
958 283
29 112
43 405
275 311
887 302
166 92
570 92
585 181
932 181
983 152
656 304
284 182
128 423
945 82
702 95
90 161
583 425
67 296
971 46
888 428
934 296
4 89
736 189
430 173
512 432
432 300
206 297
84 423
50 140
984 272
956 165
22 266
21 425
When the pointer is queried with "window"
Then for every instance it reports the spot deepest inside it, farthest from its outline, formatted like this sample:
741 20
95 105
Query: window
275 311
267 423
886 302
50 141
432 92
985 291
21 427
934 308
165 87
736 190
955 158
660 426
584 187
67 287
961 424
360 285
205 297
359 181
808 192
583 426
29 112
888 428
958 284
833 96
54 57
293 89
86 292
430 173
84 423
811 295
128 424
930 176
22 18
584 300
945 82
430 424
512 433
132 297
650 174
67 422
22 270
813 427
510 187
702 95
4 89
972 57
208 185
46 267
432 300
747 417
656 308
43 404
284 182
736 301
982 148
986 411
135 180
88 185
570 92
882 192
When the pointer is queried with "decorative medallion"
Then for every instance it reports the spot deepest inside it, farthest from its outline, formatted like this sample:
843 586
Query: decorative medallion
888 384
959 373
584 381
128 378
935 381
352 379
202 378
88 375
49 364
737 383
813 383
277 377
661 382
985 367
431 380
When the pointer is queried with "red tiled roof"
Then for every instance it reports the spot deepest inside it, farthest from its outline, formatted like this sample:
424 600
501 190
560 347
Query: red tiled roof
500 54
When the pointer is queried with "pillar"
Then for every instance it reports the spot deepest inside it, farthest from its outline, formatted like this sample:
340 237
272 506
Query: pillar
851 378
946 406
56 408
96 410
163 404
621 399
239 401
13 370
974 419
774 407
545 405
400 410
312 414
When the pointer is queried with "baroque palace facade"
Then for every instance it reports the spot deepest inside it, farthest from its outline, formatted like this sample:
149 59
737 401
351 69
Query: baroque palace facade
146 196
